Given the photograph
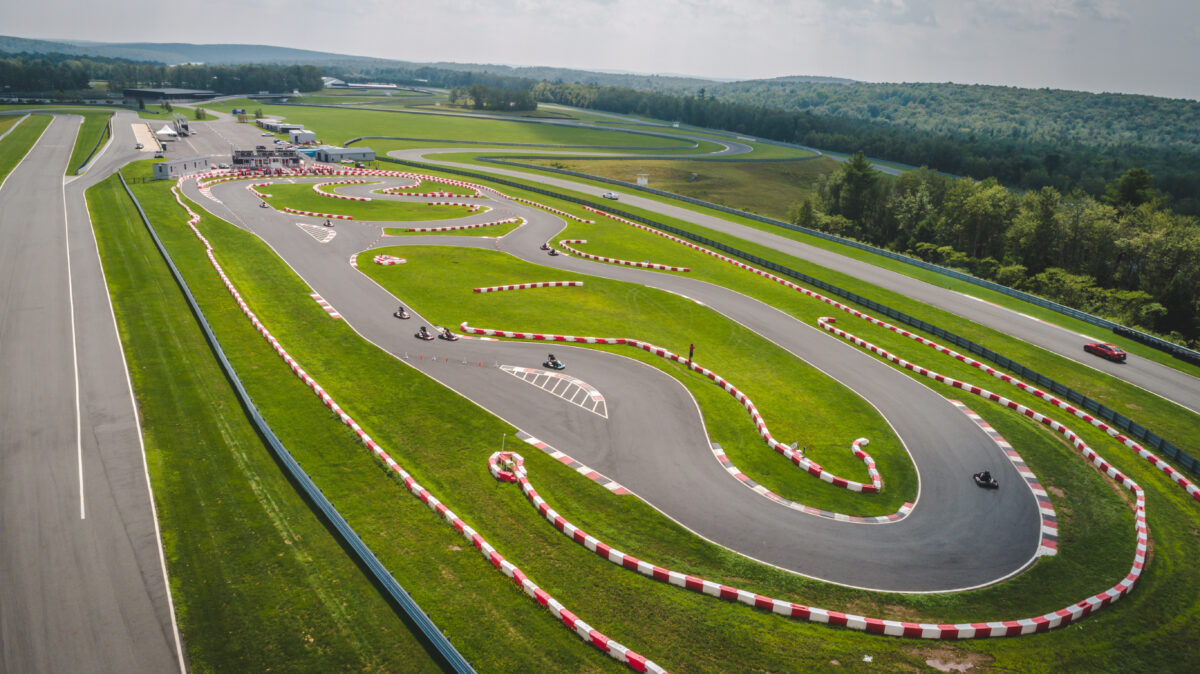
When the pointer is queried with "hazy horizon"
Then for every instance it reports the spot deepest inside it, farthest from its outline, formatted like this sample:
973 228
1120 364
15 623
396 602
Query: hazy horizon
1116 46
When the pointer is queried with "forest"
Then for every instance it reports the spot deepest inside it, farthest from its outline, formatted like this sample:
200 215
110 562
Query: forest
1121 255
1048 146
482 97
43 73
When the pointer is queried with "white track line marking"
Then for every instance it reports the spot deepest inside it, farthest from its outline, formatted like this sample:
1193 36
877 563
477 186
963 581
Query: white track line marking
551 382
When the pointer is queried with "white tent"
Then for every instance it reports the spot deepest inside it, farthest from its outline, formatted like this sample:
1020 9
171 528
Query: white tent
166 131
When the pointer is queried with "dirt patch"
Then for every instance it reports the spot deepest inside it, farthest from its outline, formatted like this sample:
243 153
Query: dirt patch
952 660
885 611
1056 491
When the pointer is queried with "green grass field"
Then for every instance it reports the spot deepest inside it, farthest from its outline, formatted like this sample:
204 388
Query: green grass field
91 136
1151 630
301 196
256 578
768 188
17 144
627 524
788 393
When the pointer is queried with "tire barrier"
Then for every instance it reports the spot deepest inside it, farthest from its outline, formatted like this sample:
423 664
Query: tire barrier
510 467
333 195
457 227
399 192
311 214
628 263
795 456
525 286
428 632
388 260
632 659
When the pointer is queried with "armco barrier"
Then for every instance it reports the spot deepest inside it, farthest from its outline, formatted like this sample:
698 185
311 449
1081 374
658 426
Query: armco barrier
445 651
99 141
1181 352
1184 459
795 456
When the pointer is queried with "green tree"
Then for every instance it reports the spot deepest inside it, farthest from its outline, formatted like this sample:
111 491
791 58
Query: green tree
1134 188
1036 232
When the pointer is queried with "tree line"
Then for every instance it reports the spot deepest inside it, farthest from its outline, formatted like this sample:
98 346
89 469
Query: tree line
42 73
1121 255
482 97
1028 161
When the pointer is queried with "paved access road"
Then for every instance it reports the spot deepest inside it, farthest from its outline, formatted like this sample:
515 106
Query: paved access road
1170 383
80 561
653 440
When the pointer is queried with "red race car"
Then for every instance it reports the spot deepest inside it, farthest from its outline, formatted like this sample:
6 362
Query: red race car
1113 353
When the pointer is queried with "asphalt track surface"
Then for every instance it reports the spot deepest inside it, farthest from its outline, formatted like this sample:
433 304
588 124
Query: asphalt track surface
80 567
1178 387
654 441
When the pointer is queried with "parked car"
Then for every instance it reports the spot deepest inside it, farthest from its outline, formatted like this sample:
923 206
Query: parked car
158 155
1113 353
611 195
138 146
268 133
223 165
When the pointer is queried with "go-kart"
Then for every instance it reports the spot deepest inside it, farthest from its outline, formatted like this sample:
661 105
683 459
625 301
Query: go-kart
985 480
447 335
400 313
545 246
263 204
424 334
554 364
329 223
553 252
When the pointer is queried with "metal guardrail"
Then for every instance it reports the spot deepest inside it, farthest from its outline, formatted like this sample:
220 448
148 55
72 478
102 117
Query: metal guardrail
1181 352
107 134
1138 431
444 651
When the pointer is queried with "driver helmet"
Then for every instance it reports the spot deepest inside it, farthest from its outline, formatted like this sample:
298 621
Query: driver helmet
551 356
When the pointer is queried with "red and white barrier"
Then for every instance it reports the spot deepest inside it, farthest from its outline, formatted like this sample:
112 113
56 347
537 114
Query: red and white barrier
796 457
526 286
457 227
628 263
510 467
311 214
544 207
471 208
389 260
333 195
590 635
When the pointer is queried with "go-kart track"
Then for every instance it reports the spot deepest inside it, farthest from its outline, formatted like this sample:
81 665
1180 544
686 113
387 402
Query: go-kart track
77 552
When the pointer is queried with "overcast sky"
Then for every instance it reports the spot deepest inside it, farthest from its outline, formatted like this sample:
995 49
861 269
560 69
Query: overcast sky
1147 46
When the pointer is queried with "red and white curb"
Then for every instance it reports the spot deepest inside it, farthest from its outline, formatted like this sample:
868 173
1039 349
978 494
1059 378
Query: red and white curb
388 260
645 265
253 190
510 467
1049 543
456 227
1173 474
325 305
471 208
327 216
544 207
334 195
632 659
593 475
757 488
354 260
792 455
526 286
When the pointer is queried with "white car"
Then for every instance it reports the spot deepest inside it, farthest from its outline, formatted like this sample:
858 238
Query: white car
611 195
268 134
